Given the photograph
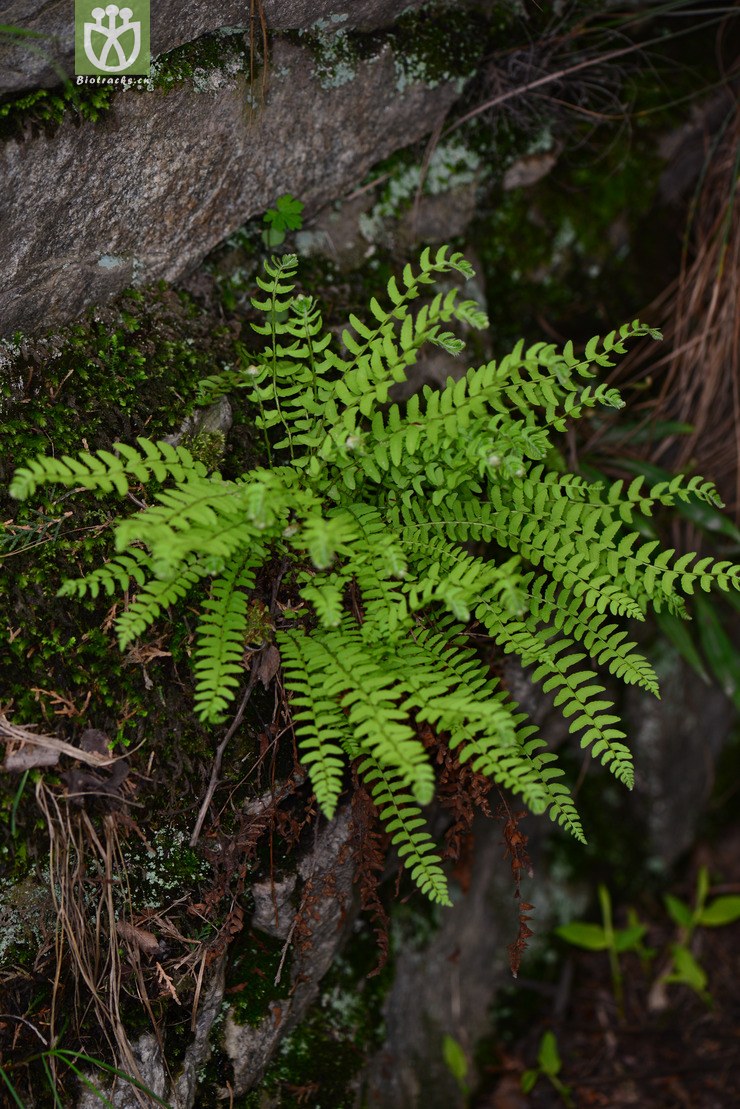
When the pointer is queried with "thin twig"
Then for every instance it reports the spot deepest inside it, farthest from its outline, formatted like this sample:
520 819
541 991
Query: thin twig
13 1016
431 146
21 734
548 78
361 189
220 754
286 948
198 988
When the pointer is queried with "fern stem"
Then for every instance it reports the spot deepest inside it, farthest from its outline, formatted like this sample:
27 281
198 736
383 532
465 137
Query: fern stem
266 437
275 393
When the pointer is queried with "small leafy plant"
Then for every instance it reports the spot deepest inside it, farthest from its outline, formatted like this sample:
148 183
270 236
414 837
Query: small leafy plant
373 507
684 967
285 216
605 937
457 1064
548 1066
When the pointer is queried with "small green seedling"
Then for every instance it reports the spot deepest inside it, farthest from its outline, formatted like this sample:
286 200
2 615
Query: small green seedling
549 1064
684 967
644 953
457 1063
605 937
285 216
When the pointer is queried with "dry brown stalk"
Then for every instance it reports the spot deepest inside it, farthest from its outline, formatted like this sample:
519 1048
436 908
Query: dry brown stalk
702 379
85 937
696 381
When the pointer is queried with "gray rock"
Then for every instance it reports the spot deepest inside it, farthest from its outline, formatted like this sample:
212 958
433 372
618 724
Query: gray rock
676 742
448 986
325 895
274 910
355 15
25 66
122 1095
685 147
199 1050
216 418
326 898
153 1072
337 231
148 190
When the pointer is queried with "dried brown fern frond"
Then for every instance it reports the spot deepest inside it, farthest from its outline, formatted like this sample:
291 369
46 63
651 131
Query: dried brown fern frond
515 849
369 845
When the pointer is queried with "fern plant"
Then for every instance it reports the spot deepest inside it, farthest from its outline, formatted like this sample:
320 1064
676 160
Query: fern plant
377 505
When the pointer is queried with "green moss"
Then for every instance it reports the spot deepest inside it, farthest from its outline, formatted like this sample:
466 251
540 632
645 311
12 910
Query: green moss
226 50
337 52
254 959
37 110
44 109
318 1063
209 447
452 165
439 44
129 369
25 913
436 45
167 869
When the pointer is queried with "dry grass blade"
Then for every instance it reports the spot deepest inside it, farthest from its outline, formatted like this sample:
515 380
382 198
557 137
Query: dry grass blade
85 940
701 382
697 381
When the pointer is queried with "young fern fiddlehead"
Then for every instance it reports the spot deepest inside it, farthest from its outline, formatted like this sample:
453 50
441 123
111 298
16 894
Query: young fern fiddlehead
374 503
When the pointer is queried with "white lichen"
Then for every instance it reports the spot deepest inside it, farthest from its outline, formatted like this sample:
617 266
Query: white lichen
25 907
452 165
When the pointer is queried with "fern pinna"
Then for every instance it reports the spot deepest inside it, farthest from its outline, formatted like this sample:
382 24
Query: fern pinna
377 504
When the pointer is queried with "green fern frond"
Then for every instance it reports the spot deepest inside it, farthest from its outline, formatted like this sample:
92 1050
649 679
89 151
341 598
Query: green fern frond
577 692
341 666
484 725
605 643
321 725
116 574
372 510
220 640
152 600
105 472
407 828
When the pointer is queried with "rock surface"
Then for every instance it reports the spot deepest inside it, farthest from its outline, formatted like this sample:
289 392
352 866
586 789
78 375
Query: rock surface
172 24
446 988
677 742
325 874
149 189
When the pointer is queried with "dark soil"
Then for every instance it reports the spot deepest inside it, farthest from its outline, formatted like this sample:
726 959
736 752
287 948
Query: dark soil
683 1056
